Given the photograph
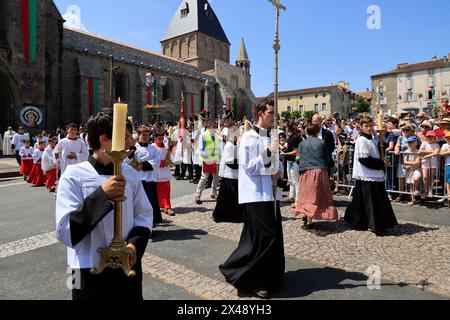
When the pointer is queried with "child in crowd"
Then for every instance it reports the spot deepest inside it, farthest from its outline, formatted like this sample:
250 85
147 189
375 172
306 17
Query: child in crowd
430 150
342 161
445 152
412 161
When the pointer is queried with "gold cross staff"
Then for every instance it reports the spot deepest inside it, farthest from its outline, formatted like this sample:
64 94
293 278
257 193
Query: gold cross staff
276 47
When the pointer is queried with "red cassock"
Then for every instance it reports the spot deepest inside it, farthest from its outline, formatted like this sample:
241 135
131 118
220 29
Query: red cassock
26 166
50 178
163 189
37 176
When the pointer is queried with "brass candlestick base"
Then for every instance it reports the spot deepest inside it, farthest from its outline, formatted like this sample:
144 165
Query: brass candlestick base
117 255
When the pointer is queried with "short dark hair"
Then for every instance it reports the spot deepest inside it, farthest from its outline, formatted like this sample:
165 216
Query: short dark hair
393 121
129 126
365 120
72 125
143 129
99 124
262 107
312 130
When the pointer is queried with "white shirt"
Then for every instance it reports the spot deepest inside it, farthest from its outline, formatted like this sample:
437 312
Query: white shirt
65 147
18 140
37 155
76 184
151 155
255 180
229 154
48 160
445 148
26 153
162 174
365 148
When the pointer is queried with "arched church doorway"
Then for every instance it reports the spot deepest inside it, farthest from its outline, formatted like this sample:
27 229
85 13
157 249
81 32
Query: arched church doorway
7 102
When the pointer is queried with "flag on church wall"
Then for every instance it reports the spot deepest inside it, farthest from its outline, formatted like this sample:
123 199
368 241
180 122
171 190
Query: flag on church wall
93 95
29 29
234 106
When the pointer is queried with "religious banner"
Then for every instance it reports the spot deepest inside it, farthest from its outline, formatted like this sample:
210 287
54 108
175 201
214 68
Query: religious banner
29 29
93 95
31 116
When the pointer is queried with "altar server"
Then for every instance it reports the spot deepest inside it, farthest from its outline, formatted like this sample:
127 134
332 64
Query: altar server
228 208
85 219
370 208
71 150
49 164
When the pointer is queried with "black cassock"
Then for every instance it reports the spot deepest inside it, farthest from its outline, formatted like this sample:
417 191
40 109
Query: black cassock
371 208
110 284
258 263
228 208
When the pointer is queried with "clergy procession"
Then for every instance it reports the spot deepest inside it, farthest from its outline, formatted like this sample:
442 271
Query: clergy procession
243 163
130 175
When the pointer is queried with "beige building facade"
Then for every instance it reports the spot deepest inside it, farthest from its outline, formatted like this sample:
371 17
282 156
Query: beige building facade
323 100
412 87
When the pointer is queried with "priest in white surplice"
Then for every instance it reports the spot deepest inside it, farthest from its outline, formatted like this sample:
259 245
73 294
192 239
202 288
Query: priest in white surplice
18 141
71 150
85 219
257 265
7 137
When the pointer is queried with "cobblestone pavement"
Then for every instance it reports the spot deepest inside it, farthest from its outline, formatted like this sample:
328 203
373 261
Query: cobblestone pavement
412 254
195 283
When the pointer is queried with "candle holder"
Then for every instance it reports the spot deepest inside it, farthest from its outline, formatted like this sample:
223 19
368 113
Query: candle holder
116 256
382 133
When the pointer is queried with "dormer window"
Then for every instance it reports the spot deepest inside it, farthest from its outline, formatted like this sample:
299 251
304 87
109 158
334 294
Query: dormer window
208 11
185 10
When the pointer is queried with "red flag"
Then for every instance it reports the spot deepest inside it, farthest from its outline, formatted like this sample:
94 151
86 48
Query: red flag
182 107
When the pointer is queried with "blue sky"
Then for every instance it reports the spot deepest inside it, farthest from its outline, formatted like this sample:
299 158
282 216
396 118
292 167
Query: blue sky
322 41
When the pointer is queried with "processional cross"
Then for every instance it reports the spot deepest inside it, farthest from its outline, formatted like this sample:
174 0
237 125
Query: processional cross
276 47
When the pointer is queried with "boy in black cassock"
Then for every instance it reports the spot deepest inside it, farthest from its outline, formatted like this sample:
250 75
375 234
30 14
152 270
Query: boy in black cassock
370 208
85 219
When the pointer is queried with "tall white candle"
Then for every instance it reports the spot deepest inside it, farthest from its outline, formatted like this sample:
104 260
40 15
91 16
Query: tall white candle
119 126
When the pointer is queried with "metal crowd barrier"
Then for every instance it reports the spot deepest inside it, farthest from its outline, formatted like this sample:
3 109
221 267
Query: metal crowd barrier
395 178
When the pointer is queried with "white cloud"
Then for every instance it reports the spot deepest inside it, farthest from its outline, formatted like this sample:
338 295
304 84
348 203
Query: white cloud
73 18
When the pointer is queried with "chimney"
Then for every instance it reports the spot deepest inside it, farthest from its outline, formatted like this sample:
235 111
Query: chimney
367 89
434 58
344 84
401 65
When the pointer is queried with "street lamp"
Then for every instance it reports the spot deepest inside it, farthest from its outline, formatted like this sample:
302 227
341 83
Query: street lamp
207 85
152 82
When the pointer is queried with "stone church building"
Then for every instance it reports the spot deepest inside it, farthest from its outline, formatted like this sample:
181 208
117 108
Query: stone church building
51 75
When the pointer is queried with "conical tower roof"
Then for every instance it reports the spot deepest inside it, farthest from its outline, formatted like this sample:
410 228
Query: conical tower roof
243 56
195 16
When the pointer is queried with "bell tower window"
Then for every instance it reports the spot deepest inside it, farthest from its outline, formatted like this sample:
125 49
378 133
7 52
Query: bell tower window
185 10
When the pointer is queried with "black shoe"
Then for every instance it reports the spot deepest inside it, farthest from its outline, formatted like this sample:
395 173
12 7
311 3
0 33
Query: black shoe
263 294
181 178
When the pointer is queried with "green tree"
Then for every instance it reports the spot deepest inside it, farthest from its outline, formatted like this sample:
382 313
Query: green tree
309 114
362 105
296 114
285 115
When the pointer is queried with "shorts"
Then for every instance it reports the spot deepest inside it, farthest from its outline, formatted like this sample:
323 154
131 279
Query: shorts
447 174
412 175
432 163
